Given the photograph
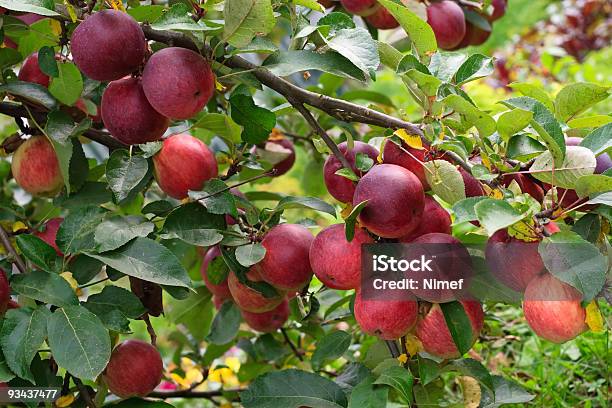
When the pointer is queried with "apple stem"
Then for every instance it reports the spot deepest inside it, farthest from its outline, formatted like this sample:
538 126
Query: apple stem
6 243
392 346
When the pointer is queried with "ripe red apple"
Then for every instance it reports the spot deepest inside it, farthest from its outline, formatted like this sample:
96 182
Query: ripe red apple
395 201
5 292
359 7
382 19
36 169
30 72
341 188
95 115
499 9
286 265
218 301
435 219
434 335
553 310
127 114
134 370
108 45
280 146
268 322
385 319
249 299
473 187
184 163
178 82
513 262
474 35
413 160
448 23
452 263
335 261
526 185
222 289
49 232
603 161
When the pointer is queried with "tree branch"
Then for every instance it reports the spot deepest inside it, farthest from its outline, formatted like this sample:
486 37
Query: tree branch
6 243
84 392
191 393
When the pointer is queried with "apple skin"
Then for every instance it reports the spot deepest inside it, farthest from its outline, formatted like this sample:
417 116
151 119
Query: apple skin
448 23
335 261
275 145
134 370
30 18
393 154
82 106
526 185
222 289
395 201
341 188
184 163
499 9
36 169
5 292
108 45
382 19
249 299
435 219
359 7
286 264
473 187
49 233
603 161
218 301
434 335
553 310
268 322
178 82
30 72
386 319
513 262
127 114
473 35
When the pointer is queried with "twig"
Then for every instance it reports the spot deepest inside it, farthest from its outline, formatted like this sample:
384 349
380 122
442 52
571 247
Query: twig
6 243
93 283
84 392
150 329
392 346
290 343
192 394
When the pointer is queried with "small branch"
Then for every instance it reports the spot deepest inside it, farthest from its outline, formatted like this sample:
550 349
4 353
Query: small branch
290 343
84 392
6 243
93 283
150 329
392 346
192 394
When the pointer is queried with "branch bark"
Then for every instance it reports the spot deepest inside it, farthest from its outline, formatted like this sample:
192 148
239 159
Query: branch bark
6 243
191 393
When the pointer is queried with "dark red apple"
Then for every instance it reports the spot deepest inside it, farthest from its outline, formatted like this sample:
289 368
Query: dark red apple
448 23
435 219
134 370
335 261
36 169
30 72
341 188
280 146
359 7
248 298
395 201
385 319
184 163
527 185
268 322
49 232
499 9
473 187
5 292
220 290
407 157
382 19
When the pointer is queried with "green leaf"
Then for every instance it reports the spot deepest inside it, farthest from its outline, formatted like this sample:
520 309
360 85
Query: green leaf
351 375
23 332
330 347
293 389
195 312
42 7
588 227
368 395
410 62
146 14
137 402
84 268
445 180
544 123
177 18
124 173
226 324
33 93
589 121
420 33
512 122
79 342
494 215
219 199
250 254
428 370
77 231
193 224
474 369
458 324
150 149
587 186
398 378
244 19
148 260
464 210
389 55
579 161
47 62
39 252
599 140
506 392
471 115
444 65
45 287
68 86
347 173
6 374
9 57
220 124
351 220
336 21
357 45
575 261
524 148
576 98
305 202
61 128
286 63
118 231
475 67
114 305
256 121
536 92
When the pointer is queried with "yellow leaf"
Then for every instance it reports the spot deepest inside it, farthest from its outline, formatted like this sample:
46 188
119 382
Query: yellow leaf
117 5
523 230
56 27
402 358
72 282
496 193
379 158
219 86
471 391
486 162
71 11
413 141
19 226
413 344
346 211
594 318
64 401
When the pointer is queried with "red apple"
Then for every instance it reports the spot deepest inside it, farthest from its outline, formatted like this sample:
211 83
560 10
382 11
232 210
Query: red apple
184 163
30 72
448 23
335 261
473 187
382 19
249 299
5 292
222 289
49 232
341 188
218 301
434 335
268 322
36 169
553 309
395 201
527 185
499 9
386 319
359 7
134 370
435 219
280 146
407 157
